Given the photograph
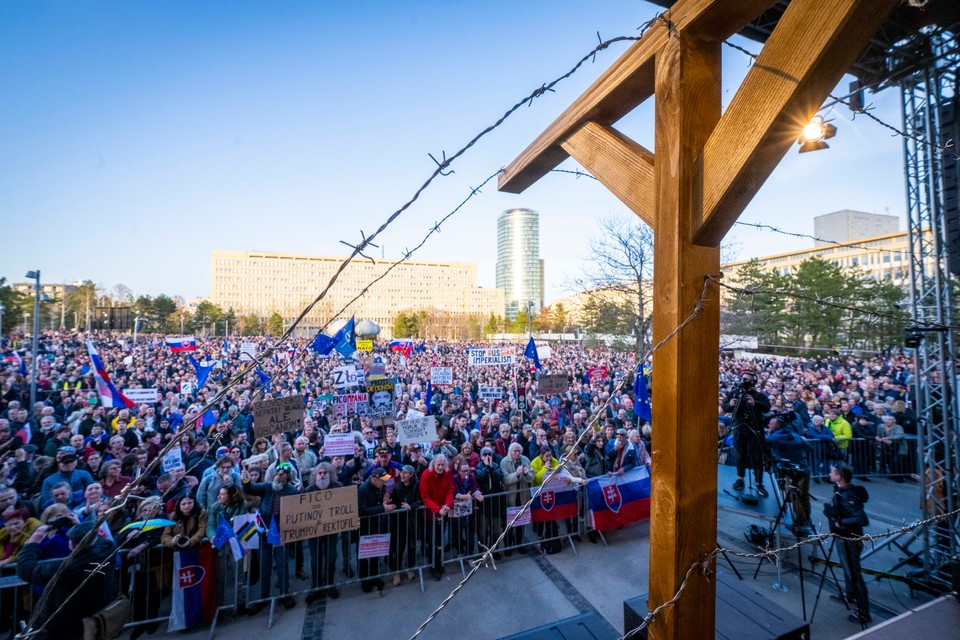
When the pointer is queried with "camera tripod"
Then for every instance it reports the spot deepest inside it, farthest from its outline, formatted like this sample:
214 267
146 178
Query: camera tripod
823 578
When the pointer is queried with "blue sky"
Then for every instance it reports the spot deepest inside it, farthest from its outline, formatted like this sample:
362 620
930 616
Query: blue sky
138 137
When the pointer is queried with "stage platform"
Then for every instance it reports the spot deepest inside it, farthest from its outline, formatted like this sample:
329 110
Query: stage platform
934 619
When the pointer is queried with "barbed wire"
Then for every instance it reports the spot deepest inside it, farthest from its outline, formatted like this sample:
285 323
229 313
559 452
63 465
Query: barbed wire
946 149
592 427
704 564
807 236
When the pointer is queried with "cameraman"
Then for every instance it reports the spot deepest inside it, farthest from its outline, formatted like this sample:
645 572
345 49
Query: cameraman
747 406
847 519
790 451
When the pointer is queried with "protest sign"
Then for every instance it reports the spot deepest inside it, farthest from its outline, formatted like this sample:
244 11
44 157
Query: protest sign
248 351
338 444
492 356
280 415
347 376
377 366
364 345
461 509
348 405
382 402
417 429
491 393
172 460
318 513
549 385
186 388
141 396
598 372
544 351
441 375
374 546
522 520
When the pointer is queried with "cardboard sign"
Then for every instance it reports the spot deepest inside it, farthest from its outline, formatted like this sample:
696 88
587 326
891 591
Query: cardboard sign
598 372
364 345
348 405
318 513
173 460
383 404
248 351
552 384
374 546
441 375
494 356
347 376
523 520
338 444
422 429
461 509
491 393
141 396
280 415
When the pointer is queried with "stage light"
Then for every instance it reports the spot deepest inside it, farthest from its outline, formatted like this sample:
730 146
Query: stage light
814 134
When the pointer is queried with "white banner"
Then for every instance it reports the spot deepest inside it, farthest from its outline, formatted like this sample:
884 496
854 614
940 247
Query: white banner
512 513
141 396
374 546
544 351
493 356
338 444
441 375
248 351
171 461
491 393
347 376
416 429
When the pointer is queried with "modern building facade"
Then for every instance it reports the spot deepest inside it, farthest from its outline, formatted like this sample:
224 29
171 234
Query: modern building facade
264 282
848 225
519 267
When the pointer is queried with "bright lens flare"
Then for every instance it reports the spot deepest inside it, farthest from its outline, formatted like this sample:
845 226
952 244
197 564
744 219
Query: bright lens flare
814 130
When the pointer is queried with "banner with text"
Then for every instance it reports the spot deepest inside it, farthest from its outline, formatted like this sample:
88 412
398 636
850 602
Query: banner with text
280 415
374 546
383 404
364 345
441 376
492 356
349 405
338 444
141 396
548 385
417 430
347 376
490 393
318 513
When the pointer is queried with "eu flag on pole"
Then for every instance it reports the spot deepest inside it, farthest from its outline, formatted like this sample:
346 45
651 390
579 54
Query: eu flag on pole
273 534
641 397
346 339
225 535
263 378
202 372
323 344
531 353
429 398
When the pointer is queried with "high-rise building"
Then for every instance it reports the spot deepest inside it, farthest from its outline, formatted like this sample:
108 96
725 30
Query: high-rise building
519 267
265 282
847 225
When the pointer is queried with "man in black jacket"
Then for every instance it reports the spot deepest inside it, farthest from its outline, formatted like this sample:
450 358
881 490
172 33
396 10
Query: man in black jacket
64 610
847 519
748 406
373 502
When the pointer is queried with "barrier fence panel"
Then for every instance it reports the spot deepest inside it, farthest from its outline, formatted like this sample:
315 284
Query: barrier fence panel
16 601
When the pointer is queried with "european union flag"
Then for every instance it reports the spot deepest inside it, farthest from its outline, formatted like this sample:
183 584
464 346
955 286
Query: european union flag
323 344
273 535
531 352
641 397
225 535
263 378
429 398
208 419
202 372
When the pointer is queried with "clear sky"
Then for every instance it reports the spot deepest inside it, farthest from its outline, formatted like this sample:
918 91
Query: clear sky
136 137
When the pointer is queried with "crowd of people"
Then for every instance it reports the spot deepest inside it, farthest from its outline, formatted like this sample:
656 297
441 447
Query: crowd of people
65 460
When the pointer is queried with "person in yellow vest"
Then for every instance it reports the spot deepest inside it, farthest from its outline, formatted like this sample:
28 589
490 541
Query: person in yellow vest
125 416
842 432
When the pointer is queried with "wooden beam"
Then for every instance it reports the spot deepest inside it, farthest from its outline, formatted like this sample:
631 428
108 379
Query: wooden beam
808 52
683 520
620 164
627 83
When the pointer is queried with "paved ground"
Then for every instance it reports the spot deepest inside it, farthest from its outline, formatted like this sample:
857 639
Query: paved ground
525 592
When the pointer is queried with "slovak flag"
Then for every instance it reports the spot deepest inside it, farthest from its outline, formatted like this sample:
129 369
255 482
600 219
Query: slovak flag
616 501
404 346
557 501
194 600
183 343
109 396
17 360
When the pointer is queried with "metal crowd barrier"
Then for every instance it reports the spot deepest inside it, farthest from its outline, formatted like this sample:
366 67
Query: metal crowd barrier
16 601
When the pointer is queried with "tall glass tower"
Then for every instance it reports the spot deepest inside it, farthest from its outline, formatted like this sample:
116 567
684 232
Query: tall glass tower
519 267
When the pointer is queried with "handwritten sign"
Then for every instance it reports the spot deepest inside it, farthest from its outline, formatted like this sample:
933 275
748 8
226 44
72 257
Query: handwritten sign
350 375
141 396
248 351
491 393
374 546
173 460
549 385
348 405
441 375
522 520
338 444
280 415
318 513
492 356
421 429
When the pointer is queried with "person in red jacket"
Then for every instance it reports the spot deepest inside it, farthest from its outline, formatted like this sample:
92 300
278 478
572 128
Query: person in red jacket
436 491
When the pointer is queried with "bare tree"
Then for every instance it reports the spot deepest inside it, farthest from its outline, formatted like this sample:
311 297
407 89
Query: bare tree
619 280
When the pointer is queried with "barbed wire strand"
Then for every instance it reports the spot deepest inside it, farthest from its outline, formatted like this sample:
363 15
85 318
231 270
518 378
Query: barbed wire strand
704 564
592 427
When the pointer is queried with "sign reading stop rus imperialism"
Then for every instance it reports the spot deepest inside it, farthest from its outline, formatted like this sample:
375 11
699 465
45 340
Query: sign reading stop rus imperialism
318 513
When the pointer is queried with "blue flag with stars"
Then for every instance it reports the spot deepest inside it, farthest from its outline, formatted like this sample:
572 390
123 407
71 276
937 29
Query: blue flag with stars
531 352
641 397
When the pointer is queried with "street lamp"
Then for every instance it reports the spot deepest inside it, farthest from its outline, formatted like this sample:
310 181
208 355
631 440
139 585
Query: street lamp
35 276
136 326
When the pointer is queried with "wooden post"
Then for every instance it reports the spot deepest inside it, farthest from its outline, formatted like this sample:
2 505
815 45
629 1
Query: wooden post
685 414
